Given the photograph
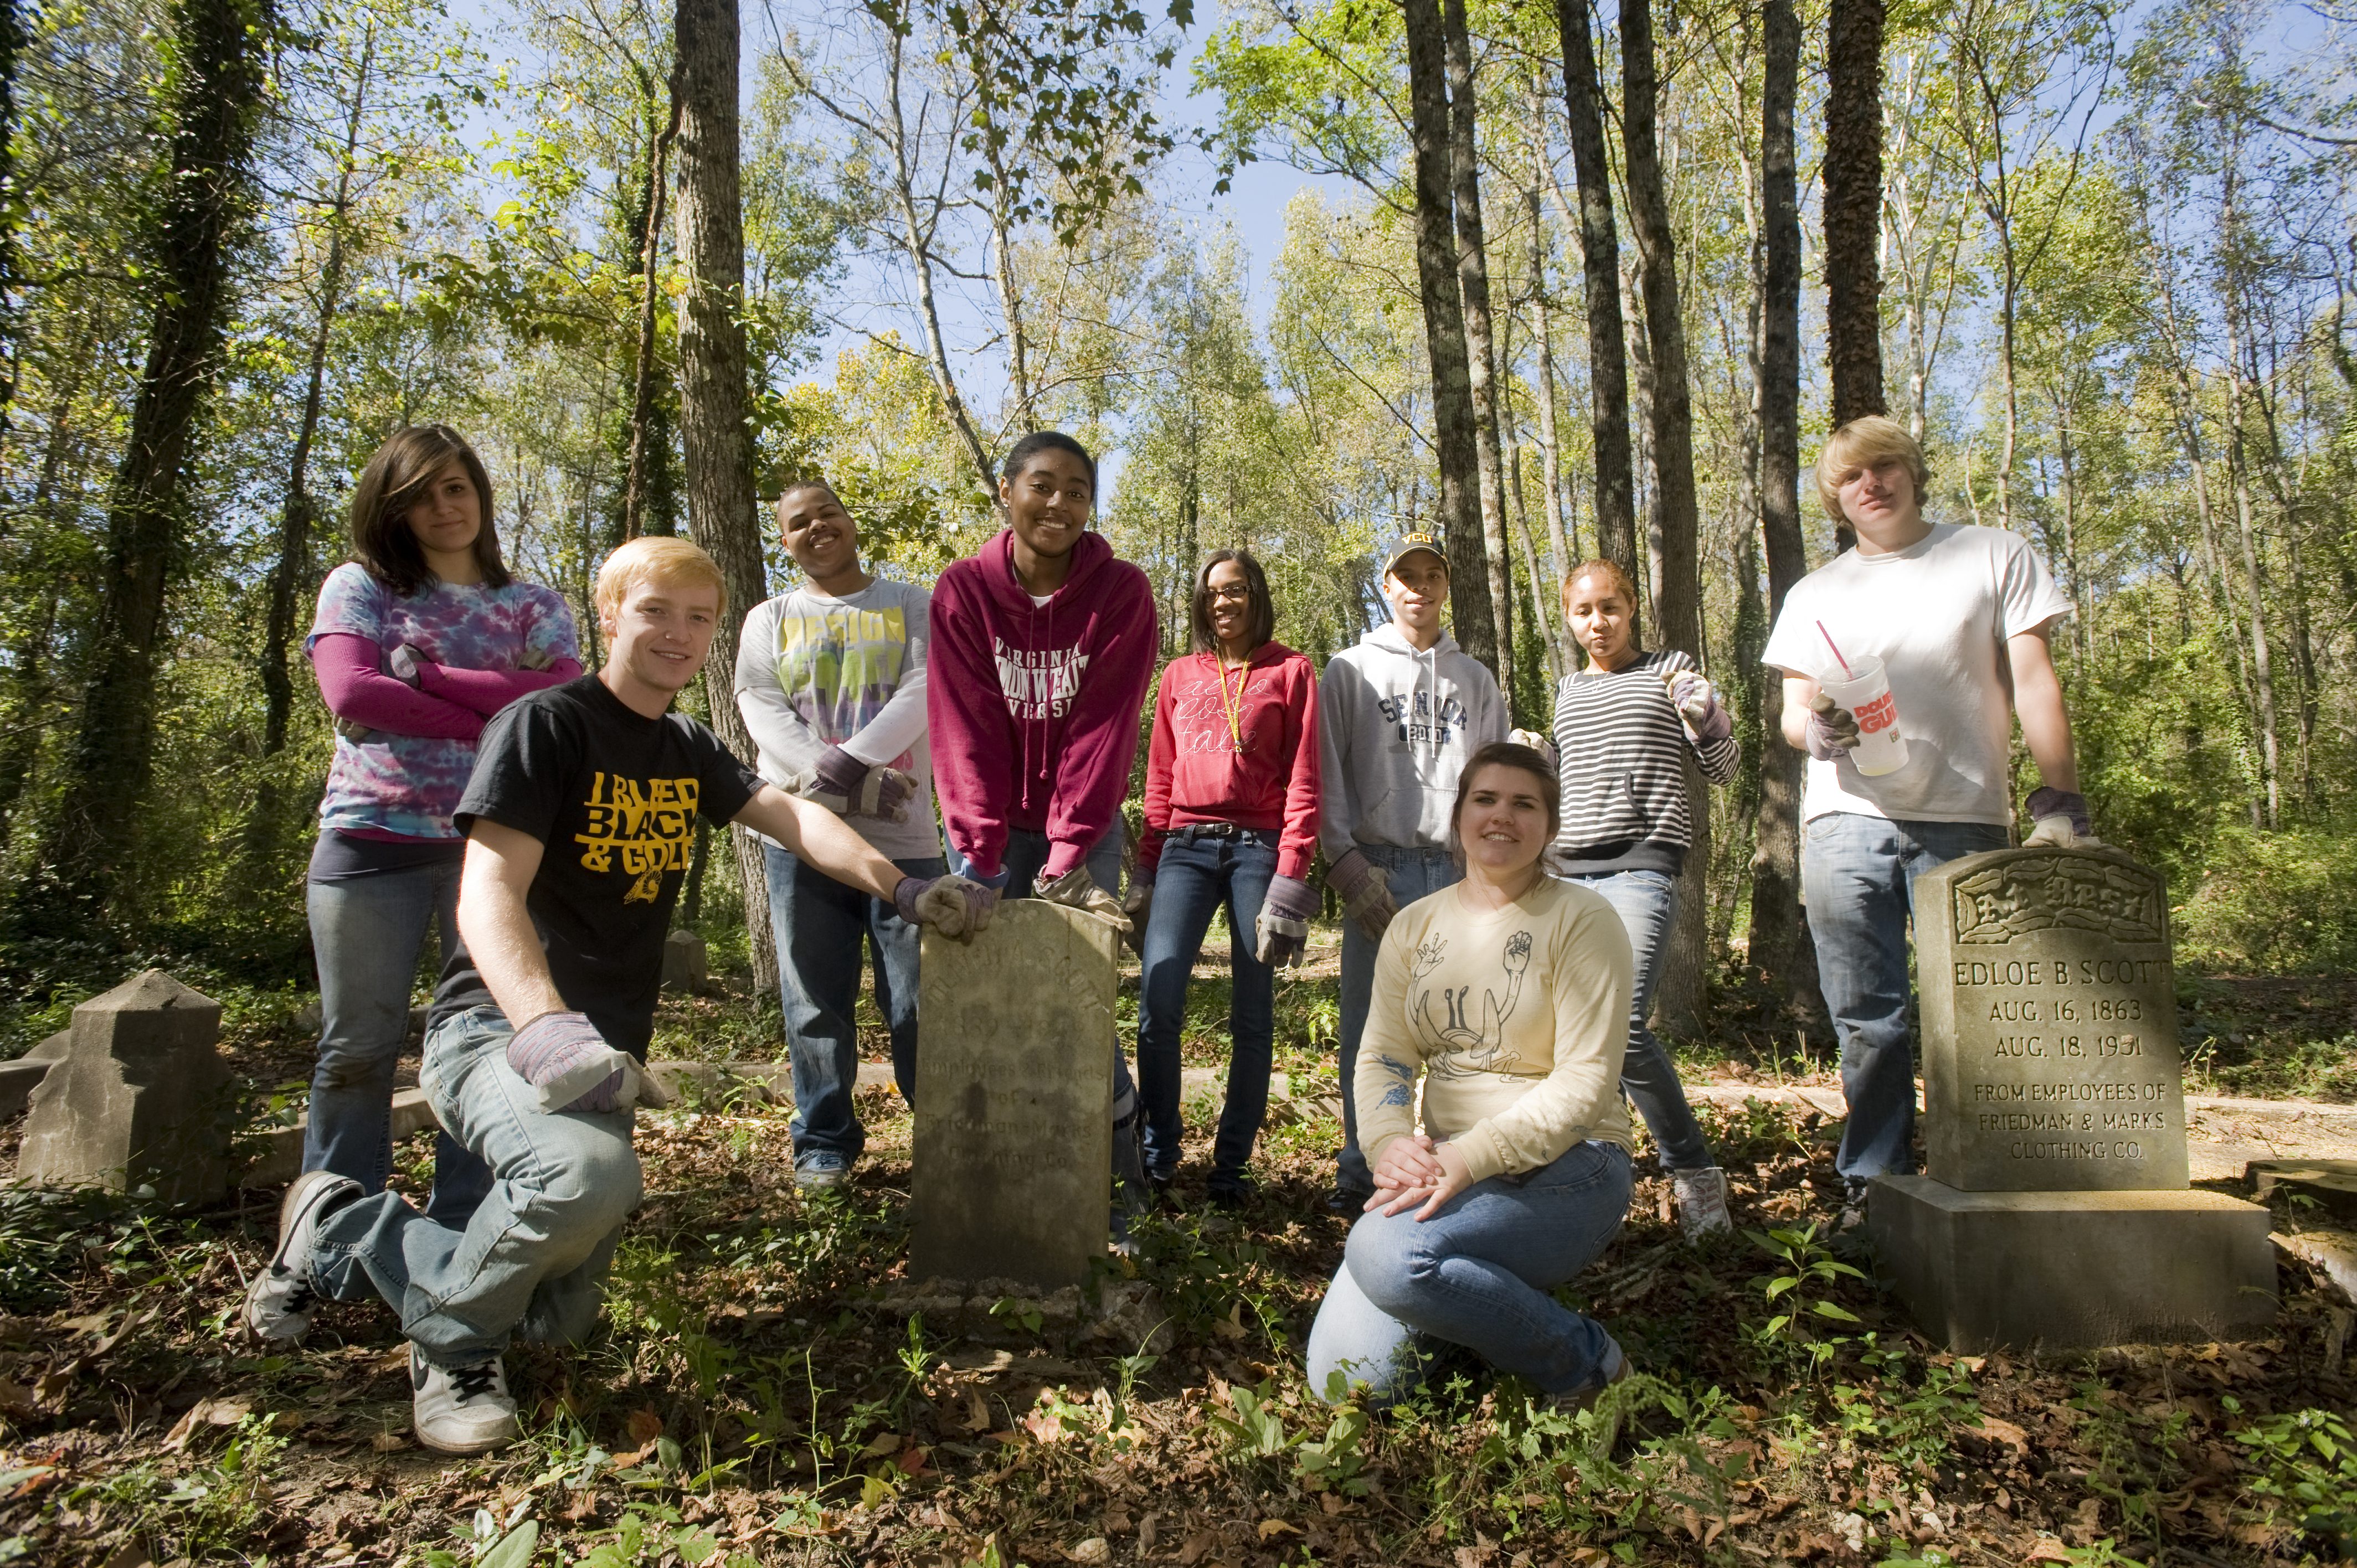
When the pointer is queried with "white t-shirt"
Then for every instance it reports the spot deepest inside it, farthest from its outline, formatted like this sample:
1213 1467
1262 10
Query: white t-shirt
1937 614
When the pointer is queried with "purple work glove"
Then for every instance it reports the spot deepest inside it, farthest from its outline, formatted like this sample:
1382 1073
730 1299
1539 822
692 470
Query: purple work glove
2048 801
1832 730
954 906
850 788
1698 705
1284 922
562 1054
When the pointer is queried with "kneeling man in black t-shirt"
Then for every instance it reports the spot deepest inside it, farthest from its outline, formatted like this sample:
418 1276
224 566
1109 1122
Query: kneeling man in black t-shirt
578 820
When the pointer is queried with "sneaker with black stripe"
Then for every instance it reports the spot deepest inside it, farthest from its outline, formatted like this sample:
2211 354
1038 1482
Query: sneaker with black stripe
463 1410
279 1302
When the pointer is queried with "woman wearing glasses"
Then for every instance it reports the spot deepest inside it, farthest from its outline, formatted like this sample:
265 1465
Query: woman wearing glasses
1231 822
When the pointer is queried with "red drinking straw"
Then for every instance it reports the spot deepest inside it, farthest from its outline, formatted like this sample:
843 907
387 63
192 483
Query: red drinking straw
1829 643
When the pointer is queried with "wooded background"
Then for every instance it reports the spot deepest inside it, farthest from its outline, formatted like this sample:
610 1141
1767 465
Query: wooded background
1572 281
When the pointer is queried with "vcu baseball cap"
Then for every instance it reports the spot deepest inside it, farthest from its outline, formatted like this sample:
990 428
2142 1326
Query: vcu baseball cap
1408 543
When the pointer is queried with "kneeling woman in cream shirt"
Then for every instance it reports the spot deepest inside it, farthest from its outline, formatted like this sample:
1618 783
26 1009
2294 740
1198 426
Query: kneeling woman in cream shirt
1508 995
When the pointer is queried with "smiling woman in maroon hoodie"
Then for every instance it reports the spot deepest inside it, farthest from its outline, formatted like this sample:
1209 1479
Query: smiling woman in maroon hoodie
1231 821
1043 645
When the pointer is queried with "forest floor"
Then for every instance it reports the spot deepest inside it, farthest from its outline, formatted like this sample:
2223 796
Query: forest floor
753 1400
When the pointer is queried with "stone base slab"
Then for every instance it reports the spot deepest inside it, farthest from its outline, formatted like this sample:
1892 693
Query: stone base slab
2072 1271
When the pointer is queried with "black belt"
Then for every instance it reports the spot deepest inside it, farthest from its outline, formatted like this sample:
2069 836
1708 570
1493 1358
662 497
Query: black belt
1215 831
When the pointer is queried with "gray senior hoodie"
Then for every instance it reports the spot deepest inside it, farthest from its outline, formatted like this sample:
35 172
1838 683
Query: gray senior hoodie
1395 728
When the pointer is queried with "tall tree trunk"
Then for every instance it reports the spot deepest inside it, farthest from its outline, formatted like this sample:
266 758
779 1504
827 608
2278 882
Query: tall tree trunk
650 440
1640 447
1481 355
716 404
1678 613
1608 372
186 241
1444 334
1782 960
298 509
1550 450
12 45
1853 177
1681 997
2254 587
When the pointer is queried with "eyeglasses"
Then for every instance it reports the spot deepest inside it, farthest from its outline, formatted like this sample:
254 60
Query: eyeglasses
1229 595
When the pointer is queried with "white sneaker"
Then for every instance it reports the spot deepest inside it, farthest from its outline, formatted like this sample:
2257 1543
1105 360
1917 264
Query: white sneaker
465 1412
1702 1202
278 1303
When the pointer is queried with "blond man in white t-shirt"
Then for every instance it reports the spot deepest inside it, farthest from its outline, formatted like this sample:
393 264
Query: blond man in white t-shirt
1959 616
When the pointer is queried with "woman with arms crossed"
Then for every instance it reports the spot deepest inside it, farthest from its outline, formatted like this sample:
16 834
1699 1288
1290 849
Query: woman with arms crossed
1507 994
416 642
1623 727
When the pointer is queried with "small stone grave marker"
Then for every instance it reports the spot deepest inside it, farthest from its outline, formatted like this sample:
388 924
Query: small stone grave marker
1014 1138
2050 1024
140 1096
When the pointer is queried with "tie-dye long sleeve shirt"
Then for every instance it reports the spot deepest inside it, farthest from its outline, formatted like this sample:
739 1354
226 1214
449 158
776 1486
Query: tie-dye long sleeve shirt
813 671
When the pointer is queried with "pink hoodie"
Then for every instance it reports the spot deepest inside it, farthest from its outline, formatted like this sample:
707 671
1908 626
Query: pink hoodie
1033 709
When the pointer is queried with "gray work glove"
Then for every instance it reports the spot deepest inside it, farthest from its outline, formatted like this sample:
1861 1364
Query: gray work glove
953 906
1365 890
1076 889
2060 820
1832 730
1137 908
850 788
1283 924
564 1057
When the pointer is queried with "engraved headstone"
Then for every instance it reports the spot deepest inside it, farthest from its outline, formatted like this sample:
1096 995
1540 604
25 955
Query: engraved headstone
2056 1212
1014 1138
140 1097
2050 1023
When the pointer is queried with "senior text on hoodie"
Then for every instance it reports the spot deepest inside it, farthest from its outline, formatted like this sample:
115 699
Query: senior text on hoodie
1033 708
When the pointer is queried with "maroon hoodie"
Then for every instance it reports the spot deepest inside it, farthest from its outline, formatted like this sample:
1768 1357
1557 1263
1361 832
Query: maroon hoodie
1032 709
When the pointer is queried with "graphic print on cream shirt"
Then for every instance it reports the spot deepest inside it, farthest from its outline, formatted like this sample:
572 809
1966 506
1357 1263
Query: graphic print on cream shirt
1458 1048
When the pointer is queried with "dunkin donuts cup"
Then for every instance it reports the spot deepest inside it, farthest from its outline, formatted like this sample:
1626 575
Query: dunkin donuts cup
1867 693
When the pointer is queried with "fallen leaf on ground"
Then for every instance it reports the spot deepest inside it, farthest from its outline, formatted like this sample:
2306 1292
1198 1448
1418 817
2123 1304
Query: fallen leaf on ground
645 1425
1270 1529
206 1412
388 1443
881 1445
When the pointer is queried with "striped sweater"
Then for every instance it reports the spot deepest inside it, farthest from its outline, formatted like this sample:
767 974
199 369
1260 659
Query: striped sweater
1624 786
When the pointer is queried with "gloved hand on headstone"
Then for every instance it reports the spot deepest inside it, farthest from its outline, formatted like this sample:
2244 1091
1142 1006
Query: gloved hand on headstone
1538 740
564 1057
1832 729
1365 890
2059 818
850 788
1697 703
1137 908
956 907
1283 925
1076 889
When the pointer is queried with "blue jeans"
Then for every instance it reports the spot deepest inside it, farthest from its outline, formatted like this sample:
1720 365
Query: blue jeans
820 923
1647 903
1476 1274
531 1261
1858 874
1194 879
1026 857
365 935
1415 872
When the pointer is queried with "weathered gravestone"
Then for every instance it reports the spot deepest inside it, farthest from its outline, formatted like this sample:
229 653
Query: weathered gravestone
2055 1209
1013 1136
140 1097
